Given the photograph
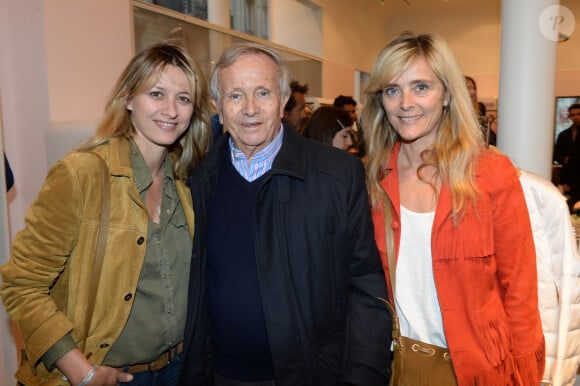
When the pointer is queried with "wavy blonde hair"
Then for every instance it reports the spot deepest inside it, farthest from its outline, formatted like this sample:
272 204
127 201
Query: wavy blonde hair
458 140
142 73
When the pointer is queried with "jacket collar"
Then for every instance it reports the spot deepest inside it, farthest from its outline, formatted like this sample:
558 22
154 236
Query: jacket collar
390 182
119 156
391 186
289 161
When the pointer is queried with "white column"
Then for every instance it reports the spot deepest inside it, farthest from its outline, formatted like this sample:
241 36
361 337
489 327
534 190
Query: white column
526 89
218 12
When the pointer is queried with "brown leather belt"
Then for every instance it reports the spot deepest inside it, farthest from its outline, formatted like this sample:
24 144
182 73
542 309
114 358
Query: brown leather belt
156 365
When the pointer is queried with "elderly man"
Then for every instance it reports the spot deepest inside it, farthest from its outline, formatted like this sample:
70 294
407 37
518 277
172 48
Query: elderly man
286 276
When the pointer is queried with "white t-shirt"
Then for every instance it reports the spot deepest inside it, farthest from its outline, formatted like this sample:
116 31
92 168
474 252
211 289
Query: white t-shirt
416 299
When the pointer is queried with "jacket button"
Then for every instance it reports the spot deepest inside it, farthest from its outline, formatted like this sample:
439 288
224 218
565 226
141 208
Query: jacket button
128 297
104 345
141 240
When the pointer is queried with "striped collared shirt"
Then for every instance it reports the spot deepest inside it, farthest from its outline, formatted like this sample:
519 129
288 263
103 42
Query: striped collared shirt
260 163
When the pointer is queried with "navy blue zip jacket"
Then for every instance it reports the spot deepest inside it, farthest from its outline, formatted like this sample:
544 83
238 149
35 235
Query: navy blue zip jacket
319 271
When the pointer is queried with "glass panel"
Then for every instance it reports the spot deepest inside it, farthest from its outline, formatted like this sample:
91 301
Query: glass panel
205 44
199 9
195 8
250 17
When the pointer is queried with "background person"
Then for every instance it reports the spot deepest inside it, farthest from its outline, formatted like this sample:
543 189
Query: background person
485 119
558 266
331 126
567 154
284 246
465 274
562 119
295 113
155 128
348 104
478 106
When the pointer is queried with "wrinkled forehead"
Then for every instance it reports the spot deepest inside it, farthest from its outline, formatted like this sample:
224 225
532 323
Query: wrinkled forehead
250 66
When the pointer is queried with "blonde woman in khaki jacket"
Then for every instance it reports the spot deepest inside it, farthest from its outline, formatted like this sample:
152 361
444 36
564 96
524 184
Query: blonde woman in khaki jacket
155 129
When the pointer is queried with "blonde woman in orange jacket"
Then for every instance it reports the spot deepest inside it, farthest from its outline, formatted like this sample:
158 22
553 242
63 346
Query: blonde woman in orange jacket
465 261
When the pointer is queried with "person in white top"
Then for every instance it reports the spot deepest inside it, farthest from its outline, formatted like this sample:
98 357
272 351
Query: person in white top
558 265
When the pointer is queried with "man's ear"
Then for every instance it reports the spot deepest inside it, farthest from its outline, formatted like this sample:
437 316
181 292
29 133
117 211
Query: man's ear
283 102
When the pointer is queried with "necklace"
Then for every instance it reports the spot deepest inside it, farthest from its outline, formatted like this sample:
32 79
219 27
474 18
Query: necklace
155 196
161 174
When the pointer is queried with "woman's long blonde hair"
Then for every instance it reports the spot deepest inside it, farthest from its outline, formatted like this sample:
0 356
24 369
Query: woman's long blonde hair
458 140
142 73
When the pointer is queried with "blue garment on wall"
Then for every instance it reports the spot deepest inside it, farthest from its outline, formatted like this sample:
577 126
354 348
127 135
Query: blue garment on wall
9 175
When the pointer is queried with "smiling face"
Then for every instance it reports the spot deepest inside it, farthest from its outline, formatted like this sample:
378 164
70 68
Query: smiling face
251 104
413 102
163 113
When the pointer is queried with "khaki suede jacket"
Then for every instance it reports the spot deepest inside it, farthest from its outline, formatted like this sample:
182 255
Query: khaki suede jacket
46 282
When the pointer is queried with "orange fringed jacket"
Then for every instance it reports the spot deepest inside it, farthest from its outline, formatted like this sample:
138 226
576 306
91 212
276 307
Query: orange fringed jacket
485 274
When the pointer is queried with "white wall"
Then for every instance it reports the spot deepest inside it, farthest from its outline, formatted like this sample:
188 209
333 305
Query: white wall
59 60
24 98
24 106
474 34
88 43
353 39
296 24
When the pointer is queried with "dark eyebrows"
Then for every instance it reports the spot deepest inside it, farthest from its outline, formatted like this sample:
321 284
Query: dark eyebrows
421 81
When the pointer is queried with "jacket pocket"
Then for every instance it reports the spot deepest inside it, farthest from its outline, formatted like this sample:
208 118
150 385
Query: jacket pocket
329 359
178 222
472 240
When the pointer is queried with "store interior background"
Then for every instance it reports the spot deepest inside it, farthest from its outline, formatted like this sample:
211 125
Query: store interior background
60 58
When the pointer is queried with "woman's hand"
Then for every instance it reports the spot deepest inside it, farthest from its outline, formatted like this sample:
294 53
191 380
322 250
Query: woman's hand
109 376
76 367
